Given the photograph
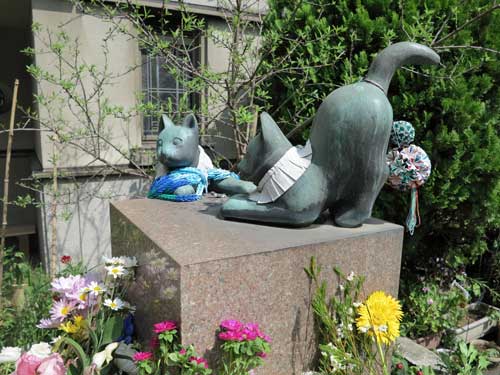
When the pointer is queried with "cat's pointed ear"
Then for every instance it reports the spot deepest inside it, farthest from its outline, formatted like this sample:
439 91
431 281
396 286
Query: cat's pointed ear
164 123
190 122
269 129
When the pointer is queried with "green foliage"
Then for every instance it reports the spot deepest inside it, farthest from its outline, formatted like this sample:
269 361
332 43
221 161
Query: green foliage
430 309
466 360
454 107
344 350
18 319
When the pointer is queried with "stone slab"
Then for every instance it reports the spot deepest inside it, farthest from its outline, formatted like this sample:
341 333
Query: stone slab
199 269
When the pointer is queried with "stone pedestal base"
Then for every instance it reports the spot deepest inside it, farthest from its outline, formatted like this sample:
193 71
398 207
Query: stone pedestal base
198 270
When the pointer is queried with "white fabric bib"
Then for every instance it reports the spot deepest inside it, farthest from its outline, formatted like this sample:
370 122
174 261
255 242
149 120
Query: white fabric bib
281 177
204 161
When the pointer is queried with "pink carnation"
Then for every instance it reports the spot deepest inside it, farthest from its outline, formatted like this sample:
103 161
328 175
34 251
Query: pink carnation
199 360
231 325
262 355
182 351
142 356
167 325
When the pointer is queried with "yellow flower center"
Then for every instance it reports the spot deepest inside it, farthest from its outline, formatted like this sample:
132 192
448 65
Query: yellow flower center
65 310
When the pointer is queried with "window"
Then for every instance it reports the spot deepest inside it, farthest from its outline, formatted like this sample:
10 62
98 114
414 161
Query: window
158 86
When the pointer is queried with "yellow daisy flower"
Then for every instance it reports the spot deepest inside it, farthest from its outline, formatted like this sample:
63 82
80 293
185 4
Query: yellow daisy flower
380 316
74 327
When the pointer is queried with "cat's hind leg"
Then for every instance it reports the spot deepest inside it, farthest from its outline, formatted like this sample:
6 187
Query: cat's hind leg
356 204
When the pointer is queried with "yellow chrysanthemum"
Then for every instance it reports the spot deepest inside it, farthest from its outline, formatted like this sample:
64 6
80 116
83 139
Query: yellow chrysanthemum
74 327
380 316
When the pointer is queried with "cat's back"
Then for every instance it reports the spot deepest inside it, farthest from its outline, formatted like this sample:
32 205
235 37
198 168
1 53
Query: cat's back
352 122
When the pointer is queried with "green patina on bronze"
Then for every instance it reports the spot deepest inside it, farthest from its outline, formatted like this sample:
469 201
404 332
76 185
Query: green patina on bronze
349 138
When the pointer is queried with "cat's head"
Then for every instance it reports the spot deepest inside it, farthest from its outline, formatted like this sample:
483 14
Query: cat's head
264 150
177 145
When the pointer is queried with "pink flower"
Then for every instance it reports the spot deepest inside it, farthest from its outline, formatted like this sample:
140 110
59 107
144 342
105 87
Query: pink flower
52 365
182 351
264 337
231 325
199 360
68 284
142 356
248 334
167 325
27 364
230 336
262 355
61 309
49 323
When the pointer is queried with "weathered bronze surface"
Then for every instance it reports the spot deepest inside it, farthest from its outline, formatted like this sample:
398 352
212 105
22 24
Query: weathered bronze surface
349 138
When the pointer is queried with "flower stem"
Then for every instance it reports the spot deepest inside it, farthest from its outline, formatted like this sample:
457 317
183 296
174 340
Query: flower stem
382 356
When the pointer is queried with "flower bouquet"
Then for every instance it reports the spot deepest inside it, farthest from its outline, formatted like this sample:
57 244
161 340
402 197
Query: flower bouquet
91 315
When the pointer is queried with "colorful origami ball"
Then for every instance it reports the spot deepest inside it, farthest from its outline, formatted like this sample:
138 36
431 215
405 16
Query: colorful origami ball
409 167
402 134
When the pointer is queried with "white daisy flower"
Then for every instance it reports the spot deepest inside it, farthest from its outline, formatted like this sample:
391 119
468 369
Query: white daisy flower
350 277
116 270
95 288
114 304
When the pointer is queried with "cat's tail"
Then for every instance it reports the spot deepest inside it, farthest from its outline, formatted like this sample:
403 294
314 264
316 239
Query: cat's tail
390 58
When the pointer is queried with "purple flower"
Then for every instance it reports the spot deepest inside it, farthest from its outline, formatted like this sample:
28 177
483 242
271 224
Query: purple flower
425 289
430 301
61 309
49 323
68 284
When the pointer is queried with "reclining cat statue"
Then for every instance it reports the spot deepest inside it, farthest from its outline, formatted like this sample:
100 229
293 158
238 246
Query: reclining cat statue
178 150
343 166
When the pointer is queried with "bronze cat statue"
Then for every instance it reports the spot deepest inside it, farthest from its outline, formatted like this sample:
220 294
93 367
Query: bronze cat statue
349 139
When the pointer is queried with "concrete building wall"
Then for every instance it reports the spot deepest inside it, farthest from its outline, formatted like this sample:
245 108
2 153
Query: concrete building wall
83 226
123 54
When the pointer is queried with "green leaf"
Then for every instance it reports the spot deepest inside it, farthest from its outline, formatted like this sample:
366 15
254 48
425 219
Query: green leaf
112 329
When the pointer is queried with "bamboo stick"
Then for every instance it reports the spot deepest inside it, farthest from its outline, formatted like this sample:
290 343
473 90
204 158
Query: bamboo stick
6 182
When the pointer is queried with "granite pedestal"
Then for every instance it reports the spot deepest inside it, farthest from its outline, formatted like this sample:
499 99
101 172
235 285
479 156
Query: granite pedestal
198 270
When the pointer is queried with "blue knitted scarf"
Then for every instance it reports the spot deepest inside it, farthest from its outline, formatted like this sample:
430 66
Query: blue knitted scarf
163 187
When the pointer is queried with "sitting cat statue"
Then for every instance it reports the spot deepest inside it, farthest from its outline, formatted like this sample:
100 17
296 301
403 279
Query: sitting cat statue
177 147
349 139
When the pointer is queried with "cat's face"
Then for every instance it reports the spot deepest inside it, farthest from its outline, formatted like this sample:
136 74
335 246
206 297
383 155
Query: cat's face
177 145
264 150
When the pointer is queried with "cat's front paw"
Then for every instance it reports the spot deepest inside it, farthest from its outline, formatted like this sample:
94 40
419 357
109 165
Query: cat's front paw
184 190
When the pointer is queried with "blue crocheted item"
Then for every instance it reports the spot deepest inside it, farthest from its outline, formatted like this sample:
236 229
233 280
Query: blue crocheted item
163 187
